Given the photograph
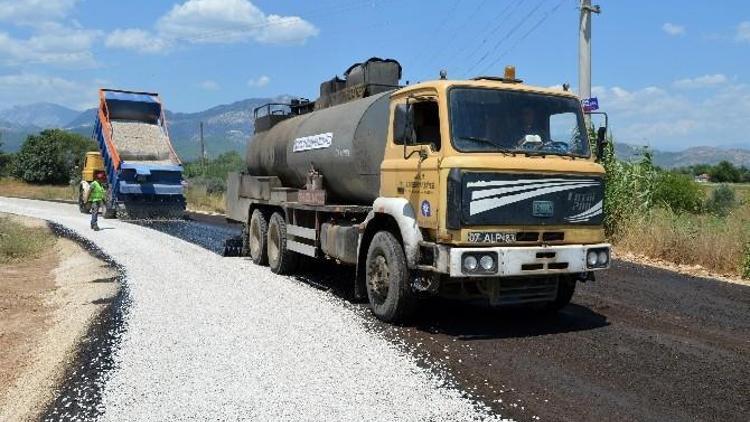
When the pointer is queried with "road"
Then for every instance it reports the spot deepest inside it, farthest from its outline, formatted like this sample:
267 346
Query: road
640 343
637 344
203 337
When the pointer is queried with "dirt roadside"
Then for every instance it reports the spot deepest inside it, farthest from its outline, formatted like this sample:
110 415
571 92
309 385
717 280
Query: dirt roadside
46 306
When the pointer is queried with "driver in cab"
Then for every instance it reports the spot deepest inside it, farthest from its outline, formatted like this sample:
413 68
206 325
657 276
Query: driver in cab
532 133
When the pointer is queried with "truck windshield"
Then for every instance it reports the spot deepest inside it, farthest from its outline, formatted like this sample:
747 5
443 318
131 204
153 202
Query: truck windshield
492 120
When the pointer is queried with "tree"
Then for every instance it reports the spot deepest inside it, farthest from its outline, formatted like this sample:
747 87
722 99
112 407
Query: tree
5 159
725 172
52 156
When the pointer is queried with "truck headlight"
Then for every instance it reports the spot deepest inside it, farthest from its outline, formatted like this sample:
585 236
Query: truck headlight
470 263
479 263
597 258
591 258
487 262
603 258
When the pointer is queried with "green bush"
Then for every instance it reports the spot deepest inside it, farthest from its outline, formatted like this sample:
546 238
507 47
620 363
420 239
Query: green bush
213 176
678 192
5 161
52 157
722 200
629 189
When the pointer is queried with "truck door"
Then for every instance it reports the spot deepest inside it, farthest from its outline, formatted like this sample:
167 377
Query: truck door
410 169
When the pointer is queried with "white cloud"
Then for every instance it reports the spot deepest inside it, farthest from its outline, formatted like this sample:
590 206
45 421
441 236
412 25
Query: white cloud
34 11
52 43
218 22
668 119
26 88
259 82
229 21
136 39
209 85
702 81
673 29
743 32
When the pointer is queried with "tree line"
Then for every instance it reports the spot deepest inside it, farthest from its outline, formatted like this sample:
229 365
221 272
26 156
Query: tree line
723 172
54 156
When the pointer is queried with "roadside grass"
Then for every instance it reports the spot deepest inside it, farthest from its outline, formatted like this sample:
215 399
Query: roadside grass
19 189
717 243
200 199
742 190
18 242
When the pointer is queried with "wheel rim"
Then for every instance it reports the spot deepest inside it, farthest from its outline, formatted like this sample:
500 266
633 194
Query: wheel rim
378 280
273 243
255 239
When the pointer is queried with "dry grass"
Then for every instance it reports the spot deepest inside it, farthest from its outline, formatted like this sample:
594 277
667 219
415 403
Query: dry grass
18 242
199 199
715 243
19 189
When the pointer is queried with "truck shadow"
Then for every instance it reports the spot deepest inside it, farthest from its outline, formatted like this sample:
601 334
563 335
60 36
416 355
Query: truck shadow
464 321
479 322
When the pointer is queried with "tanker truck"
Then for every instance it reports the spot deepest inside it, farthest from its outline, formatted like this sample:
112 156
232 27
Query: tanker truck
481 190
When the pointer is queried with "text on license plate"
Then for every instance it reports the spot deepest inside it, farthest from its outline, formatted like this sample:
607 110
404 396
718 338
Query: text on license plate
492 237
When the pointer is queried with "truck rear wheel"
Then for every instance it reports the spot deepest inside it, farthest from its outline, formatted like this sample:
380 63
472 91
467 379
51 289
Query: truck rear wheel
83 206
255 238
280 258
387 279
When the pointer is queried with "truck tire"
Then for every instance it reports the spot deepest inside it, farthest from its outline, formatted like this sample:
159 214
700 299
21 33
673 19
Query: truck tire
83 206
387 279
109 210
565 289
255 238
280 258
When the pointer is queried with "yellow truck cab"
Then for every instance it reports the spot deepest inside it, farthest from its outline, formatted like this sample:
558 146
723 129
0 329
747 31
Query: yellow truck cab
471 189
92 164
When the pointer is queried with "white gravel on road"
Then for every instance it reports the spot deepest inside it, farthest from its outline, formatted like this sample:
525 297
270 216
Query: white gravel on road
212 338
140 141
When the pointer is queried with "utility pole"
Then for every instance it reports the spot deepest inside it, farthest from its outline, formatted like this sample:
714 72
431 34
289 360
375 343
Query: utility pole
203 151
584 51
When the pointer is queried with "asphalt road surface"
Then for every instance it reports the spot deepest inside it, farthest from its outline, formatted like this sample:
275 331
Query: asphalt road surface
638 344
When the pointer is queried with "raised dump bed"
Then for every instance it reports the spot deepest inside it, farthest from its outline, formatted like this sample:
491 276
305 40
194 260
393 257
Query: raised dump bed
143 170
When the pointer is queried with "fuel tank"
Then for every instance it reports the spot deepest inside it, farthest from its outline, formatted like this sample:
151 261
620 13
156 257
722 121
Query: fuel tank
345 143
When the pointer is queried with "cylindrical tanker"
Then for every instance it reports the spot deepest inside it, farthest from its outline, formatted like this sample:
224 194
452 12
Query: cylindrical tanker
345 143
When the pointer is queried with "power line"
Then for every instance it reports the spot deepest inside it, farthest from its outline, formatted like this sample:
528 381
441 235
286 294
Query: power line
524 36
500 17
437 28
506 37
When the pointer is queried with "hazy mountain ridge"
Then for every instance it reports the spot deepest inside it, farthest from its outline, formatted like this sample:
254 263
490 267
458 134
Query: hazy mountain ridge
228 127
687 157
225 127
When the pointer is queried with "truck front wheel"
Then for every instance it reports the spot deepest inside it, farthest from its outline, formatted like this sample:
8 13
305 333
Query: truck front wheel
280 258
256 235
387 279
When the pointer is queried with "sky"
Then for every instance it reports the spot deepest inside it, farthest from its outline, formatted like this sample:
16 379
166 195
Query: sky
671 74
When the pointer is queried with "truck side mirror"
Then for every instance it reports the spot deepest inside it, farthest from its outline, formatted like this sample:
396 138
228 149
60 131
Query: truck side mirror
601 141
403 128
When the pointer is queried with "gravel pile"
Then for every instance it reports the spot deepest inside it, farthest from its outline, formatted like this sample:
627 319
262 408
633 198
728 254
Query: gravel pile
140 141
212 338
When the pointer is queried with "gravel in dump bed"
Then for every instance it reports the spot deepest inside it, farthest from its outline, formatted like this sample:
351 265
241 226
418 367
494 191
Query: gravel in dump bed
140 141
212 338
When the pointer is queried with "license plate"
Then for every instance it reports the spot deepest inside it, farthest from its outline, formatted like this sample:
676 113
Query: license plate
492 237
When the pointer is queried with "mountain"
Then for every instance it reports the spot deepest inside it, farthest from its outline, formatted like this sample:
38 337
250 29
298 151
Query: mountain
225 128
228 128
687 157
42 115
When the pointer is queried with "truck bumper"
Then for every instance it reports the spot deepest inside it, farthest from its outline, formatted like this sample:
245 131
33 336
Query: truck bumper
521 260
